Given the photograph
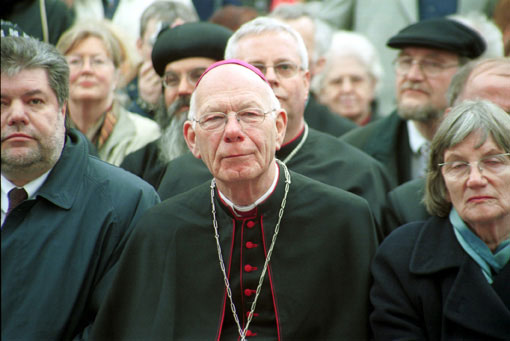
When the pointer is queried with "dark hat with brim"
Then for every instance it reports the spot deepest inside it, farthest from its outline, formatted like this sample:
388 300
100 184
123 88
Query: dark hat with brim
197 39
442 34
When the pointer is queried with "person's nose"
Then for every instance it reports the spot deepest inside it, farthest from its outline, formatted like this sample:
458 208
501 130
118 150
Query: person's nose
475 176
87 65
415 72
233 129
347 85
185 87
16 113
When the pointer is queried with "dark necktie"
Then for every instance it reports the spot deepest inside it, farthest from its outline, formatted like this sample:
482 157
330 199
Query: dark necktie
16 197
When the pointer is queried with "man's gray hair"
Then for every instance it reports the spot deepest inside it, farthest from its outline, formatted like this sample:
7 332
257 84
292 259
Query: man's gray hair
167 12
461 77
470 116
22 53
322 30
262 25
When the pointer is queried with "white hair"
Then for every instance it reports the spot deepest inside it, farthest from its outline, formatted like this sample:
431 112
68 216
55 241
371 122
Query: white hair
261 25
350 44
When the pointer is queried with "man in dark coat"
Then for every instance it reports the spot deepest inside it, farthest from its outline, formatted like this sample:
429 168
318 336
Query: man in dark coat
430 53
65 214
484 79
305 150
179 56
258 251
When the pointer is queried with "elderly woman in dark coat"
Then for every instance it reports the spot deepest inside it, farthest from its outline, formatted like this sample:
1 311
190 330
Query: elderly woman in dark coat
449 277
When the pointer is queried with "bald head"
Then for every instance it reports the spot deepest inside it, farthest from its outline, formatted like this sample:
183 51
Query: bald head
232 75
488 79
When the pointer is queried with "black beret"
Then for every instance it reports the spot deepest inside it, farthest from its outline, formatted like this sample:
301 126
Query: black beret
196 39
440 33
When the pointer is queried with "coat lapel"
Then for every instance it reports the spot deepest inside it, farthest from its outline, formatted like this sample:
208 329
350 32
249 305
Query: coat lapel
470 301
474 304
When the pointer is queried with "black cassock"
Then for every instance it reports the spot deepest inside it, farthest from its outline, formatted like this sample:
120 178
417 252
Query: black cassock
169 284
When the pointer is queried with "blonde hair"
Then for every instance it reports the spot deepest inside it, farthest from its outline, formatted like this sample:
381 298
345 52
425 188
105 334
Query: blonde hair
109 35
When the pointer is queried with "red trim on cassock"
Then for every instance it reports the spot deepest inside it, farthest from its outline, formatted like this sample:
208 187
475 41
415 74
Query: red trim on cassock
295 138
269 273
228 276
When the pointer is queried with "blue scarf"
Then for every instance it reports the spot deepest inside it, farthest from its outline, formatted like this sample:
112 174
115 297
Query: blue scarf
478 250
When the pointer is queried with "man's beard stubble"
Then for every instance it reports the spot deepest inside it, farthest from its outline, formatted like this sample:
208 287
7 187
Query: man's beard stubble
422 113
43 157
171 144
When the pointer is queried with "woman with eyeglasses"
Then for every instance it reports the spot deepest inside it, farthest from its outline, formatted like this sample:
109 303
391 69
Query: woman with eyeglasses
448 277
96 58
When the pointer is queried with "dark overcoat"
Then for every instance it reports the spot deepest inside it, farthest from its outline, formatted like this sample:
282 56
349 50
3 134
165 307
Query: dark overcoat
406 202
386 140
59 249
427 287
169 285
145 163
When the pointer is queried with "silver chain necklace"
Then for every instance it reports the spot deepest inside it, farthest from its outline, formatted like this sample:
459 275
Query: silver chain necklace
298 147
242 332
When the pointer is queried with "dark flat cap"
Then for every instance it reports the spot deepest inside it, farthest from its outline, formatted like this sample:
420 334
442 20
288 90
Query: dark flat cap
440 33
196 39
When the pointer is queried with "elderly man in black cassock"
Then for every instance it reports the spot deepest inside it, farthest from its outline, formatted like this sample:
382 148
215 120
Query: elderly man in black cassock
259 251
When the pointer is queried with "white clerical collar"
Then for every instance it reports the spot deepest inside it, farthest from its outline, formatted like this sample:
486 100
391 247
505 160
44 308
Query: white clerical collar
258 201
31 188
416 140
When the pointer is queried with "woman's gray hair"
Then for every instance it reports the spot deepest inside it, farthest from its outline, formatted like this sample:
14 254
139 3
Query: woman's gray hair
261 25
468 117
350 44
26 53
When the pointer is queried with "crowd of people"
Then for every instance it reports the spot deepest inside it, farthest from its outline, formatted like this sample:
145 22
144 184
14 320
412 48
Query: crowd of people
186 170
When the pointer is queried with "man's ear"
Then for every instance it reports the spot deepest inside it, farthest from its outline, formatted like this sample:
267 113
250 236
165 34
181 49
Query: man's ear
281 127
191 138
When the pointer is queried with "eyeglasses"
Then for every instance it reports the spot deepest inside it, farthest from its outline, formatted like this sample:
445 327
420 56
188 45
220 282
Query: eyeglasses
95 62
250 117
428 67
284 69
172 79
492 164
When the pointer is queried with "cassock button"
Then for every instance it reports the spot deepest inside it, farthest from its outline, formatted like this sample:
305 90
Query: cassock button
251 245
254 314
249 268
250 224
250 333
249 292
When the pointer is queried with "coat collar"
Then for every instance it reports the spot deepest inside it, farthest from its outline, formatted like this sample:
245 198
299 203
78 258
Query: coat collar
470 300
61 186
436 248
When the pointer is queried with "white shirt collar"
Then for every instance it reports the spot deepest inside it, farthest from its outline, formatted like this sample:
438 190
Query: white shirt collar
258 201
416 140
31 188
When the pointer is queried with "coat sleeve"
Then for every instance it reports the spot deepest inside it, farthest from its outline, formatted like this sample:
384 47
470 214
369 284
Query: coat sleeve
395 315
131 304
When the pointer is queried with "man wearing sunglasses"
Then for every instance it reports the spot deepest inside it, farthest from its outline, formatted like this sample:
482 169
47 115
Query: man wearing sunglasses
179 57
430 53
